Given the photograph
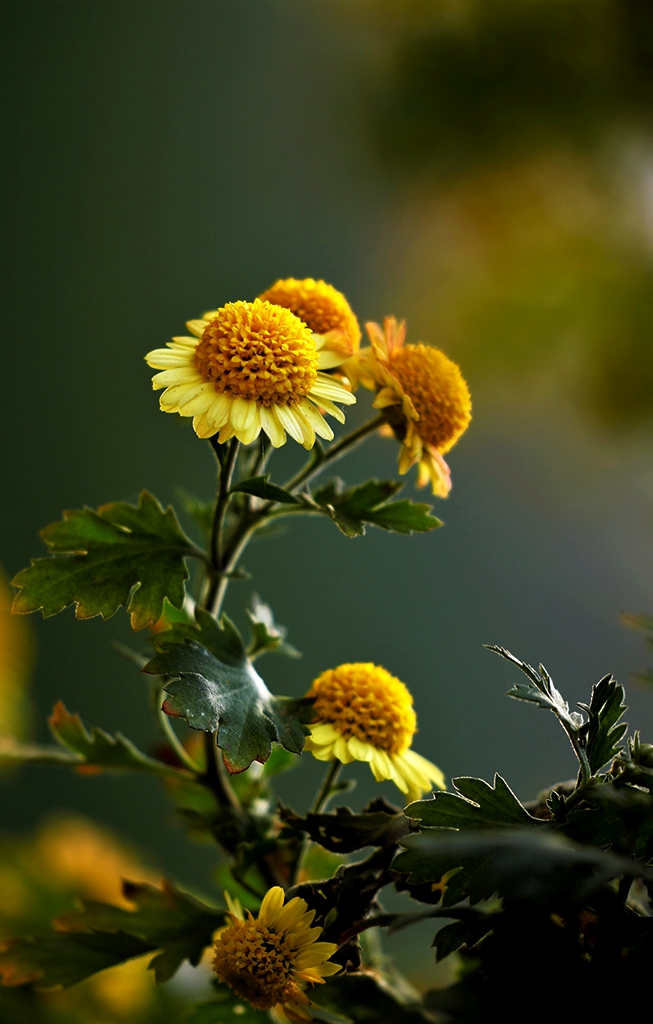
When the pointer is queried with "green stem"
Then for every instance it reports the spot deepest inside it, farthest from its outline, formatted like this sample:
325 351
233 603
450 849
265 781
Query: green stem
214 778
324 792
336 451
173 740
216 590
320 802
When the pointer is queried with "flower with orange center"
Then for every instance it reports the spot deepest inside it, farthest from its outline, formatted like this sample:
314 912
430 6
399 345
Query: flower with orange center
423 395
250 366
265 960
324 310
366 714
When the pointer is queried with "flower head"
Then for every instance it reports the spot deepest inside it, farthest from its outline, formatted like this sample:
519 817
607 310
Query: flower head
265 960
324 310
250 366
423 396
366 714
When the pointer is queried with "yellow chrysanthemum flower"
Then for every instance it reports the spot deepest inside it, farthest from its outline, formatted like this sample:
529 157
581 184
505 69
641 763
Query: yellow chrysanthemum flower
366 714
423 395
265 960
325 311
250 366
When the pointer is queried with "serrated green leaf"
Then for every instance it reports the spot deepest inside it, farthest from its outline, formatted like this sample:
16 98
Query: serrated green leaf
221 638
267 635
533 865
492 807
100 935
229 699
343 831
120 555
171 921
368 503
604 730
472 926
59 959
261 487
539 689
96 750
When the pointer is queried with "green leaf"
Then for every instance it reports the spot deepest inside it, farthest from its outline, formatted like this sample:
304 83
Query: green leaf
221 638
472 926
199 510
604 730
217 689
60 959
343 831
540 690
267 635
120 555
100 935
368 503
95 750
169 920
479 806
260 487
532 865
226 1008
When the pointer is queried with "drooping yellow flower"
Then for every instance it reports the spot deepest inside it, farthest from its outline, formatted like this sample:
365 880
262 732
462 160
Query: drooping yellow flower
325 311
265 960
366 714
250 366
423 395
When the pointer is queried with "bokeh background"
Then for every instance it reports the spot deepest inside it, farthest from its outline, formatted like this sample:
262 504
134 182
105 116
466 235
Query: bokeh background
483 169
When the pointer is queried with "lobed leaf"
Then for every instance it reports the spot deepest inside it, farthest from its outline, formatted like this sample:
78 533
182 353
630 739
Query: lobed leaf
96 750
120 555
352 509
476 805
267 635
100 935
342 831
604 730
532 865
539 689
214 687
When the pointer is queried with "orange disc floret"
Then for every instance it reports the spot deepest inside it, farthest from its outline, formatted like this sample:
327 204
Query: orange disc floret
319 305
365 701
258 351
255 962
438 391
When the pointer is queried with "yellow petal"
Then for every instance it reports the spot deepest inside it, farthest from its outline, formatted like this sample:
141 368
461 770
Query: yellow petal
272 427
329 407
271 905
316 419
289 423
177 375
360 750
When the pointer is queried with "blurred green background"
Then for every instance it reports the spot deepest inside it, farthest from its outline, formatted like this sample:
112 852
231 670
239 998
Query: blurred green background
484 170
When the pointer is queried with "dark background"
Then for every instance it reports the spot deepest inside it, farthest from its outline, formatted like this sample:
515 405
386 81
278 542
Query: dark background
484 170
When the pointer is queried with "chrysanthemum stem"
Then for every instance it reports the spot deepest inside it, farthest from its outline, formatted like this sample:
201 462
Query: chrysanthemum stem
214 778
217 583
336 451
325 790
173 740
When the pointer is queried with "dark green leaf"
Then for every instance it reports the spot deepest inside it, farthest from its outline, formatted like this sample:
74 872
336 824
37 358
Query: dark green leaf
261 487
368 503
60 959
226 1009
604 730
95 750
267 635
533 865
229 698
343 831
492 806
540 690
120 555
165 919
221 638
472 926
368 997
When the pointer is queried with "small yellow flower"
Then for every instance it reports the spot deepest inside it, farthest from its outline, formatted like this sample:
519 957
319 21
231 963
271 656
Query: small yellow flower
423 396
265 960
325 311
366 714
250 366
